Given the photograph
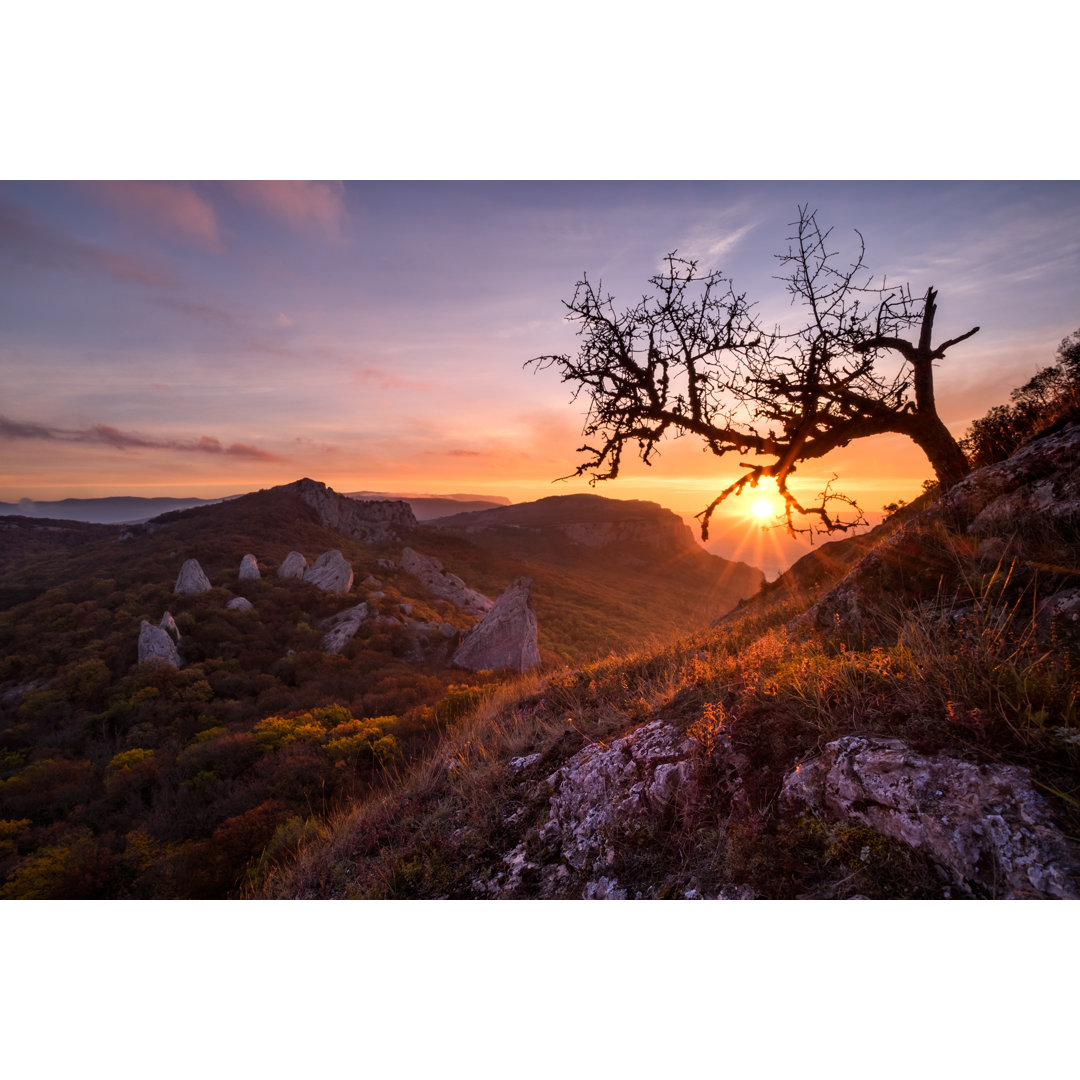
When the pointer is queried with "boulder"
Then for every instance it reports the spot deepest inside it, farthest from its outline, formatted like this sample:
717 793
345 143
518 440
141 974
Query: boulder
155 643
239 603
249 569
985 826
506 636
191 579
430 573
343 627
293 566
331 573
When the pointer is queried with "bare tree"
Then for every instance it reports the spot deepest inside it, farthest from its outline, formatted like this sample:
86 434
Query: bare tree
692 359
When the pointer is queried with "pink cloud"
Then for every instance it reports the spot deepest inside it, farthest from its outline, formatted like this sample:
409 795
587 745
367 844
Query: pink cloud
25 239
164 206
298 203
107 435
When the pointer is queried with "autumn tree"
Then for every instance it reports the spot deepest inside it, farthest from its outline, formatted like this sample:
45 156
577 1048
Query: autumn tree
691 358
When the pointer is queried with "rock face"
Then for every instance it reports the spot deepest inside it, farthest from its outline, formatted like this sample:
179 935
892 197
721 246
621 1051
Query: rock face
600 800
984 825
331 573
249 569
192 580
155 643
343 628
505 639
371 520
430 573
293 566
239 603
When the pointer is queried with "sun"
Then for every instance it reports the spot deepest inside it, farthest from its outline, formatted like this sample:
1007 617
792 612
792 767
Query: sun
763 509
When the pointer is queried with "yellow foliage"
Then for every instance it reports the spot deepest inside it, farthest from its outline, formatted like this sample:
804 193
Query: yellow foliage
128 759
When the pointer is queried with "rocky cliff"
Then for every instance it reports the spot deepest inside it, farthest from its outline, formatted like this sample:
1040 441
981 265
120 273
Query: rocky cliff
370 520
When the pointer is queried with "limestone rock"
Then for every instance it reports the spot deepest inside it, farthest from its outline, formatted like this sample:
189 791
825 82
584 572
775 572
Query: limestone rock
249 569
603 793
155 643
239 603
984 825
191 579
331 573
430 573
371 520
343 627
505 638
293 566
168 624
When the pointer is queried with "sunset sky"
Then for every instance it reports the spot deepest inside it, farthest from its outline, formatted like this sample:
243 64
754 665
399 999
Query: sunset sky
205 339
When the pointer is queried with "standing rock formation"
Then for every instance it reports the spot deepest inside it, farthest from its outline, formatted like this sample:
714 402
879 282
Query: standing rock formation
343 627
430 573
506 637
192 580
294 566
331 573
371 520
249 569
239 603
155 643
984 825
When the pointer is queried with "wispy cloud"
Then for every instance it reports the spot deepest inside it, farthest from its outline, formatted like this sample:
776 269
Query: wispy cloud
711 246
300 204
163 207
107 435
208 313
26 240
363 373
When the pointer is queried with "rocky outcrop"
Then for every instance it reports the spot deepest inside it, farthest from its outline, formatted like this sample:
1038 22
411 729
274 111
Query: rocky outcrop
343 627
430 573
668 533
984 825
331 573
602 800
191 579
156 643
239 603
294 566
249 569
371 520
999 514
505 639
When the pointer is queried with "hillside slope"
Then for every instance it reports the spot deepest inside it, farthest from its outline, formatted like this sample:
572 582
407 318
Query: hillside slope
279 701
913 733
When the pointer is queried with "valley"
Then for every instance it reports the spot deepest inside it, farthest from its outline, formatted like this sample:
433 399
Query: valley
192 779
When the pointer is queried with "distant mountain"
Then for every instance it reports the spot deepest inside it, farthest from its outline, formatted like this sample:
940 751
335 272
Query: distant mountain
108 511
131 509
638 563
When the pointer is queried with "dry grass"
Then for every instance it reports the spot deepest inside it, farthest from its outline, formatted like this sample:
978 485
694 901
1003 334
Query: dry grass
974 673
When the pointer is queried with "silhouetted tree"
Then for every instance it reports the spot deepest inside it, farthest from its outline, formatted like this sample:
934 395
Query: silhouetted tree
692 359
